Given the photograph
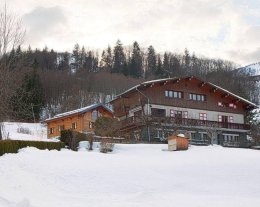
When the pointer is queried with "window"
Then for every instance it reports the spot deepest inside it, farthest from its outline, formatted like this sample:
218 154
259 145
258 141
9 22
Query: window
231 137
174 94
61 127
231 119
204 136
179 114
158 112
193 136
172 113
91 125
203 116
94 115
185 114
51 130
197 97
74 125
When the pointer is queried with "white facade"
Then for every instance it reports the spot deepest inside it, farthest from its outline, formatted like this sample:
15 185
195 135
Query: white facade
193 113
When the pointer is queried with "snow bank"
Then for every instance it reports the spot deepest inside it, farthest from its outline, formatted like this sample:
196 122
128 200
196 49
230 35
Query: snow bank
132 176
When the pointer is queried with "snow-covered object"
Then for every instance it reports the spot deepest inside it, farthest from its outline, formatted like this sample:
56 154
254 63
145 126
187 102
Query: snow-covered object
140 175
181 135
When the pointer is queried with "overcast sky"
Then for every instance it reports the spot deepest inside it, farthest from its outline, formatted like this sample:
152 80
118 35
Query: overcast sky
228 29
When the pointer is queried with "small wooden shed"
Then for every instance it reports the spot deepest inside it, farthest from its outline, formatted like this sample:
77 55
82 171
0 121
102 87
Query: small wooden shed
178 142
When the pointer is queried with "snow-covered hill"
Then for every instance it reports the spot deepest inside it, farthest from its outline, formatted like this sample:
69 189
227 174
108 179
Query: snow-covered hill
252 69
140 175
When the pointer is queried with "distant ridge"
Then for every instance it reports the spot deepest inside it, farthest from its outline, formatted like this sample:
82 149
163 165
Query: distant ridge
252 69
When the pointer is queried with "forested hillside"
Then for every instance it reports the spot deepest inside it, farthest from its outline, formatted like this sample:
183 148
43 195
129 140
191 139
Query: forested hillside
40 83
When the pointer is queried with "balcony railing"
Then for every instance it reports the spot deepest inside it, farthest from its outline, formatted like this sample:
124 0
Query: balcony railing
146 120
231 144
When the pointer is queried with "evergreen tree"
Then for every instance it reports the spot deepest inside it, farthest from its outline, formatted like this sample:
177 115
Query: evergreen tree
82 58
76 58
28 100
175 65
107 59
159 68
151 61
119 58
186 59
166 64
136 61
64 61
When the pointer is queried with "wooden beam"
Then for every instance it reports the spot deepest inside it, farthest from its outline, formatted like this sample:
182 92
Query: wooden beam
213 90
225 95
165 82
237 100
202 84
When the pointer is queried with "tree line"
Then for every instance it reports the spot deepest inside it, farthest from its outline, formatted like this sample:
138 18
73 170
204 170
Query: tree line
51 82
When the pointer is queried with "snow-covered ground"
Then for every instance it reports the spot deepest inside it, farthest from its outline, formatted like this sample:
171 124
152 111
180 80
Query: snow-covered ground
25 131
132 176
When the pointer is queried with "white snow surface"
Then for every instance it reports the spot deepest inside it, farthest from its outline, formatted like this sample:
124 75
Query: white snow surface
138 175
35 131
252 70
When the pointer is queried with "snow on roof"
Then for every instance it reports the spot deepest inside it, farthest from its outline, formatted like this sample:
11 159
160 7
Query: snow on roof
171 79
143 84
81 110
238 97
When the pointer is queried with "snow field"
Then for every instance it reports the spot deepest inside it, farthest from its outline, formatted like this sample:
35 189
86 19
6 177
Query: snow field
132 176
25 131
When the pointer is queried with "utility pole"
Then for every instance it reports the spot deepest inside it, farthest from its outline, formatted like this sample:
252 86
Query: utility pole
148 112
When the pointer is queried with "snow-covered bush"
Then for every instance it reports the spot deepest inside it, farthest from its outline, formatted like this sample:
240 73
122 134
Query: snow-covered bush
23 130
106 145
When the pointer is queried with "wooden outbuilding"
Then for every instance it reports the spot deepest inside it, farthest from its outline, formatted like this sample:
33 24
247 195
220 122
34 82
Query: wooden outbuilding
80 120
178 142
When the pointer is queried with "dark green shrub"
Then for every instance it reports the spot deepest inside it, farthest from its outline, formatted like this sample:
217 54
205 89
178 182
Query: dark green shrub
12 146
107 127
71 138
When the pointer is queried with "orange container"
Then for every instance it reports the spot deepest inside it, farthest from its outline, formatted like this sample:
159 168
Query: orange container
177 143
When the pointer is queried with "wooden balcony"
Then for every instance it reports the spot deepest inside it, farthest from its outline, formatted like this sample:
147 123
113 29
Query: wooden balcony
137 121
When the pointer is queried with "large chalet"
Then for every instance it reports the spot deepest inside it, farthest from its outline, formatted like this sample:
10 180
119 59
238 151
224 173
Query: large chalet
203 111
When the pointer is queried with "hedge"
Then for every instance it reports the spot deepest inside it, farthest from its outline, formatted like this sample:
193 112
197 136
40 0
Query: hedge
12 146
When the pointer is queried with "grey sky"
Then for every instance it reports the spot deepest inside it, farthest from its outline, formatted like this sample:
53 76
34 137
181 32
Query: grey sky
228 29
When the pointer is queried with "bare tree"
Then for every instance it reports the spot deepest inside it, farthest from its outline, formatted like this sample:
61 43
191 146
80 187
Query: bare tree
12 34
212 133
